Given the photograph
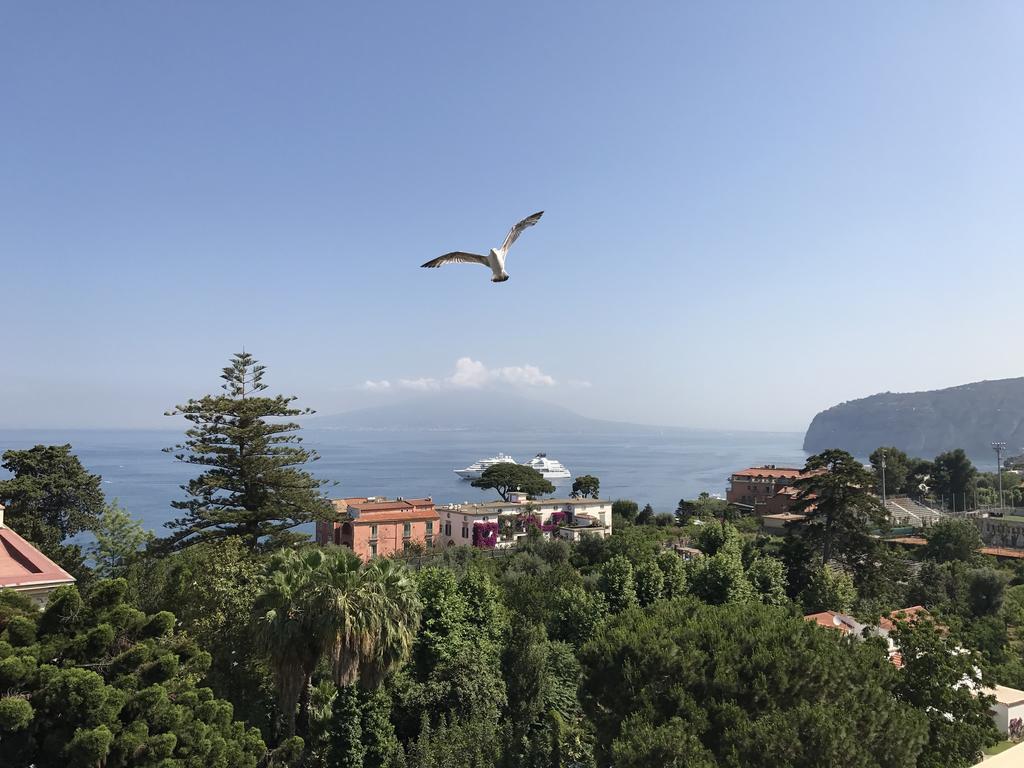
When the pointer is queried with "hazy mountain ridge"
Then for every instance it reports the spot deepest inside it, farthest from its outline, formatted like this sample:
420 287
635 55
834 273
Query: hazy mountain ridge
970 416
472 409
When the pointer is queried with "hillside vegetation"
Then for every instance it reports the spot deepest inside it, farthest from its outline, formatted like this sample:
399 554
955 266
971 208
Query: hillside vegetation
970 416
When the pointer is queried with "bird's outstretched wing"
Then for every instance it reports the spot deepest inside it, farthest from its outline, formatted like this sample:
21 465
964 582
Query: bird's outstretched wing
456 257
517 230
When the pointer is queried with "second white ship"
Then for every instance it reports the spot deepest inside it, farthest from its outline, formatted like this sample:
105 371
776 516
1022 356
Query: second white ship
551 469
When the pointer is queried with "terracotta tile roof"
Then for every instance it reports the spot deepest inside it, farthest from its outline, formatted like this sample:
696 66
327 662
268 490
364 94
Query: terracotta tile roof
911 541
789 473
340 505
380 506
23 565
395 515
394 510
1016 554
365 505
832 620
903 614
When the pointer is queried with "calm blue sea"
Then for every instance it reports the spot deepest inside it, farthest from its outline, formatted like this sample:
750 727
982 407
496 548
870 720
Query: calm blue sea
649 467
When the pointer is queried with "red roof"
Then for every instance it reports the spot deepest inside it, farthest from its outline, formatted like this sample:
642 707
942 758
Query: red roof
831 620
1002 552
385 511
903 614
22 565
786 472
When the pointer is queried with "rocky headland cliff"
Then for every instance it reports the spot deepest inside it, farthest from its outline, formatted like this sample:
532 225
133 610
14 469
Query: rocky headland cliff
925 424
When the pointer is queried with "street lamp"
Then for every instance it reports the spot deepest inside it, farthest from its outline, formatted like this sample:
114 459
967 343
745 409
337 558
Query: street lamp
998 448
883 477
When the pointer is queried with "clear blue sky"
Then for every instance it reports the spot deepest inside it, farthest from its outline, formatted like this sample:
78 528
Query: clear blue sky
753 210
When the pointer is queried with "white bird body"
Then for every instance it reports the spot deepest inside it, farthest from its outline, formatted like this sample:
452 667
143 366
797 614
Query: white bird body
496 261
495 258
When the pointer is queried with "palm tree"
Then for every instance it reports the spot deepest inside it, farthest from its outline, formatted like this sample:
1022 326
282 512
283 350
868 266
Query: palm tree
328 603
287 628
396 606
369 615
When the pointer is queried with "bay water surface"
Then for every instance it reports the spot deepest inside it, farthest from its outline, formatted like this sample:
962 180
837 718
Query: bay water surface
647 466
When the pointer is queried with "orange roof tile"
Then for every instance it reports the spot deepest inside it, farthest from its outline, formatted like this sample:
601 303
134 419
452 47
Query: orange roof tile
912 541
785 472
903 614
394 510
830 620
395 515
1016 554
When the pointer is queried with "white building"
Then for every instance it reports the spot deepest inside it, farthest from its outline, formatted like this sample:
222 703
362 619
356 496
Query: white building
1008 706
499 524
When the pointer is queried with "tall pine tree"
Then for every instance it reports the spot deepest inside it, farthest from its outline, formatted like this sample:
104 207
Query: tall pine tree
256 486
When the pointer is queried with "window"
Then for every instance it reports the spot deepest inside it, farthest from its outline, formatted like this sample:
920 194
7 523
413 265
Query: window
465 531
447 529
405 545
430 527
407 530
373 549
430 540
373 531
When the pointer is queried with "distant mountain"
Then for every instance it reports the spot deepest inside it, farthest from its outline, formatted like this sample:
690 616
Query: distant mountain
925 424
468 409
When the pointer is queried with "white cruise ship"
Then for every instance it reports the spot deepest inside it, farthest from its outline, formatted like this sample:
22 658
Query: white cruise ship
473 471
552 469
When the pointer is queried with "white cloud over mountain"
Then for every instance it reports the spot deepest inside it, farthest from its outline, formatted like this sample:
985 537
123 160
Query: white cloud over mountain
468 374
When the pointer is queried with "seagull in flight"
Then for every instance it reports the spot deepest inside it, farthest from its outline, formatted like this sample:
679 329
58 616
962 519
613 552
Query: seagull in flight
495 260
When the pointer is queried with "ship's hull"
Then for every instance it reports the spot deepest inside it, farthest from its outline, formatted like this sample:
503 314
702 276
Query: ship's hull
564 475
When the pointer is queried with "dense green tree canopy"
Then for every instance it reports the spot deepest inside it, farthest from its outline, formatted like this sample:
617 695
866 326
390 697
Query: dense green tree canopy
507 478
841 511
50 495
719 578
102 683
742 685
767 576
585 486
616 583
954 478
650 582
942 681
211 587
829 589
255 485
952 539
645 516
118 540
704 506
625 509
897 470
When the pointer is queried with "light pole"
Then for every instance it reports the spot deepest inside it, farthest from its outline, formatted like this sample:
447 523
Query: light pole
998 448
883 478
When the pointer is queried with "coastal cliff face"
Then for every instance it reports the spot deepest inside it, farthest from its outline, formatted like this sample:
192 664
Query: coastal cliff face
925 424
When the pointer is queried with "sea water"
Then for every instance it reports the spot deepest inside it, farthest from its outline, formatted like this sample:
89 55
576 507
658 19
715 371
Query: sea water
650 467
